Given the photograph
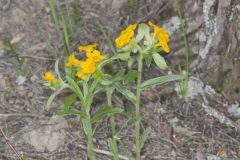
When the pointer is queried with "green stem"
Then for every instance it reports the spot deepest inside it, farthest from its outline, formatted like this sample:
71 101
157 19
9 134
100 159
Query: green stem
138 93
185 85
87 125
113 124
90 143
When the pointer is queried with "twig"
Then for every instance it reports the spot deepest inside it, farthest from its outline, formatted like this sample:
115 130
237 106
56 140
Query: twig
20 115
10 145
216 114
103 152
36 57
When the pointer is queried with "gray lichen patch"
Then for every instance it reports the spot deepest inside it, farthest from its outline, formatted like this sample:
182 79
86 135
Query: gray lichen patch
211 27
173 25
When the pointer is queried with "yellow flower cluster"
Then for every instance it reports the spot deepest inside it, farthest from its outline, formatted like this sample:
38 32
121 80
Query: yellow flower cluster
88 66
161 35
48 76
72 61
125 36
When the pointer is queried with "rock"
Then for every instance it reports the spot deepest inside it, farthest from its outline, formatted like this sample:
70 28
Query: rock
34 78
38 47
213 157
47 137
2 52
173 25
18 38
20 80
234 110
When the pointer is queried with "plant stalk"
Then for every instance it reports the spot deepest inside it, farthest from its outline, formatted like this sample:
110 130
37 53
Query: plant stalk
113 124
185 84
87 126
138 94
90 144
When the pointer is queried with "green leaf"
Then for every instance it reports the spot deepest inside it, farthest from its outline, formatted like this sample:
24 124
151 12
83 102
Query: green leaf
57 71
148 59
69 101
105 111
130 76
143 30
71 112
119 76
124 91
24 157
129 111
54 15
124 56
15 61
108 60
87 126
6 44
160 80
51 98
65 33
75 88
130 62
144 136
159 61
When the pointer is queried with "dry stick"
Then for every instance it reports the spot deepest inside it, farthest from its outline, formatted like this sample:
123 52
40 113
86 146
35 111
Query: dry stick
21 115
103 152
10 145
36 57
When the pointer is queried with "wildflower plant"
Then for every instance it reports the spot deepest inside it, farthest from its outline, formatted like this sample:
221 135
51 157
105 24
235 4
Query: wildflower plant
82 77
143 47
138 43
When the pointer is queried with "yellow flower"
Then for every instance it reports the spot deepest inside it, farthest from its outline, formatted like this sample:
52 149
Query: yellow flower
88 66
87 48
48 76
95 56
72 61
81 75
125 36
161 35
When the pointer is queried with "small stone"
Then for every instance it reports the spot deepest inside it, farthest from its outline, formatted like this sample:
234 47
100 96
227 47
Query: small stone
173 25
18 38
20 80
34 78
234 110
48 137
22 91
47 10
2 52
30 94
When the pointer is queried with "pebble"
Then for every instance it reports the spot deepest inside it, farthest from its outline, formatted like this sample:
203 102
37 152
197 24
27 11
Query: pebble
20 80
34 78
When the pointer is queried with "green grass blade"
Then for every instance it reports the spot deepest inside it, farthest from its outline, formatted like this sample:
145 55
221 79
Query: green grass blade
71 26
65 34
107 38
185 85
109 41
160 80
54 15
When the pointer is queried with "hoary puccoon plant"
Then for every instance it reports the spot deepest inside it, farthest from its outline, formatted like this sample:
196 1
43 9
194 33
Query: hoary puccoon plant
138 44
